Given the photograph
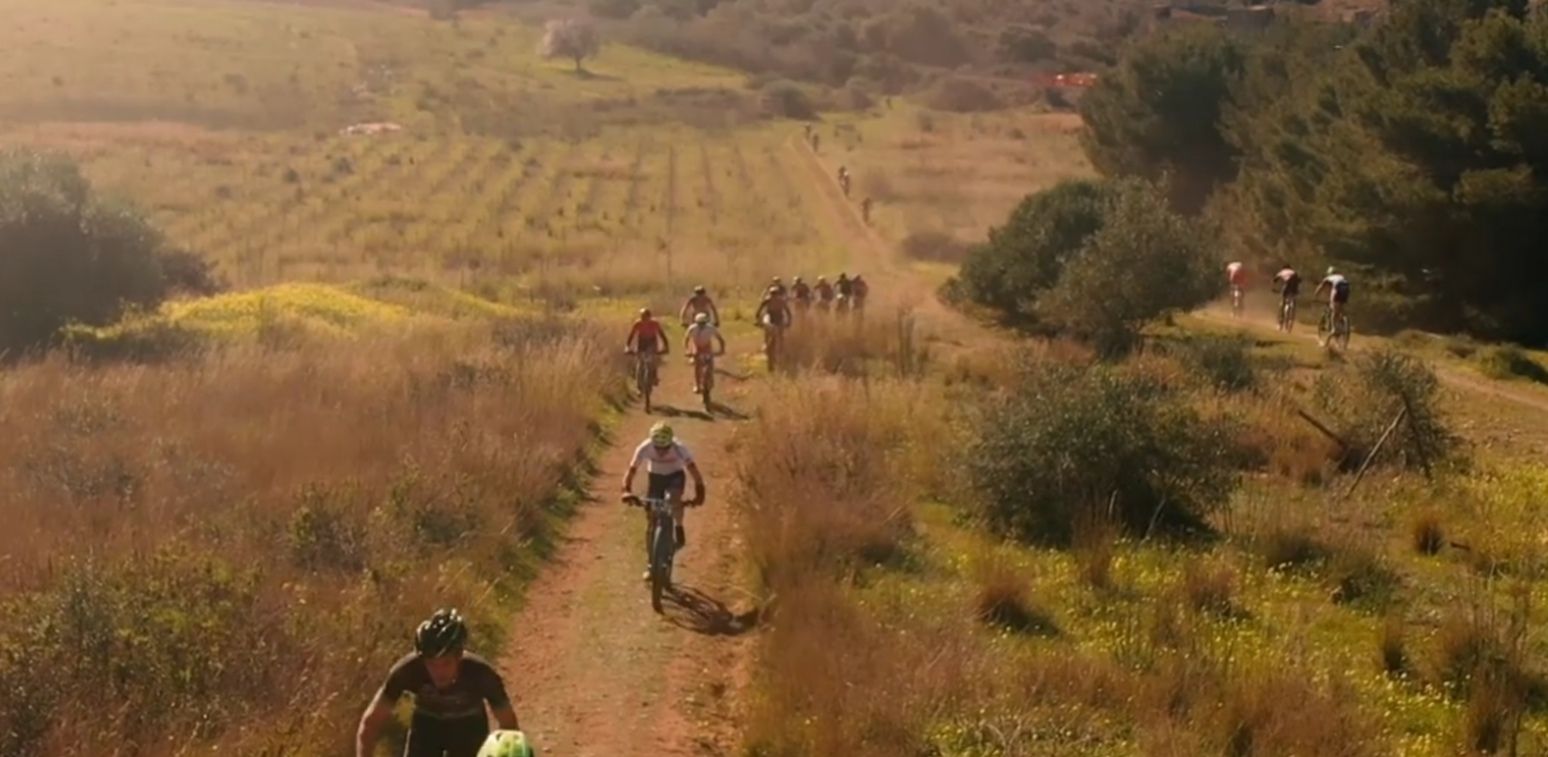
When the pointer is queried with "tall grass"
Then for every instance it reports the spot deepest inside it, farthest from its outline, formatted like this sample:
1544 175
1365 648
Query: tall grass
235 545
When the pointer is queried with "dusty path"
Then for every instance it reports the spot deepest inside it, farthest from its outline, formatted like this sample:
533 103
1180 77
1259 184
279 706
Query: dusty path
594 671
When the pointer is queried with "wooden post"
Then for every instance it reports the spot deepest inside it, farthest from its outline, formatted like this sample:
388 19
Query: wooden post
1324 429
1385 435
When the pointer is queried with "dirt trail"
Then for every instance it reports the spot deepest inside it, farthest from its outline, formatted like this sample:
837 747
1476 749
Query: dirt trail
594 671
1453 377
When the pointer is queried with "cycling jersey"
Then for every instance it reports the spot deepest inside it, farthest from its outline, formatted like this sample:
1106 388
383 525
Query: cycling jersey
802 292
861 289
662 462
1290 282
776 312
845 287
703 337
1339 287
1237 273
647 336
824 292
697 305
448 721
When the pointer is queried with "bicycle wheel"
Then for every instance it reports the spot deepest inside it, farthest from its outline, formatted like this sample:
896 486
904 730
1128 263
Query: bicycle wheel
1289 316
661 550
707 384
647 382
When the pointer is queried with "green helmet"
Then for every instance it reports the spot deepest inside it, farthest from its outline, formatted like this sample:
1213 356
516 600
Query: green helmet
506 744
661 435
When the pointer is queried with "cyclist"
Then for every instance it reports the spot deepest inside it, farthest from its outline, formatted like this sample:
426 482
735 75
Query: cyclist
648 339
774 312
1338 297
845 289
451 688
1288 283
666 461
699 343
778 283
843 178
802 293
824 292
699 303
860 290
1236 275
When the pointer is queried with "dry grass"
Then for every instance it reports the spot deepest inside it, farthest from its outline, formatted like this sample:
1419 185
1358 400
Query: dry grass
1428 533
1209 588
1003 599
201 535
1392 646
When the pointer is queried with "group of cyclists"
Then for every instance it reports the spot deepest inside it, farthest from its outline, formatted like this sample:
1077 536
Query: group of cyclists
1287 284
779 308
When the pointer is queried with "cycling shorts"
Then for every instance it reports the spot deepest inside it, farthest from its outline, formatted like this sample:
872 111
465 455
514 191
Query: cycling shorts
1341 294
429 737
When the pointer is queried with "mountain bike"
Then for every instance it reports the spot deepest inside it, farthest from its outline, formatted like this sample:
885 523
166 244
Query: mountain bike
1238 301
660 541
704 375
773 340
644 375
1329 333
1287 315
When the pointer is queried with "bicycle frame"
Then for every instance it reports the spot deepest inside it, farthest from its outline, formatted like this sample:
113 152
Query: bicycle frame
660 541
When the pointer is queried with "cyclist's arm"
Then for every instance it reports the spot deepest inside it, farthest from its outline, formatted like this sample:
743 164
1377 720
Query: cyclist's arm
634 331
505 715
634 466
698 481
666 344
763 307
722 340
714 313
375 719
1320 286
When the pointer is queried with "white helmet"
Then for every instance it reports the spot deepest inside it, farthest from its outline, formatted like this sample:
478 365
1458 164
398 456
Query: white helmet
1332 270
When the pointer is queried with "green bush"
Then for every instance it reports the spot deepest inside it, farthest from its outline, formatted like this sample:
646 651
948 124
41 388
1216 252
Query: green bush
68 257
1225 362
783 99
1511 362
1096 260
1362 402
1072 439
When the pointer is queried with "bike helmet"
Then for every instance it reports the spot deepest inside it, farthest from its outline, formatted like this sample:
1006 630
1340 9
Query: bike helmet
444 632
702 319
798 279
773 291
822 279
645 312
661 435
506 744
1332 270
699 290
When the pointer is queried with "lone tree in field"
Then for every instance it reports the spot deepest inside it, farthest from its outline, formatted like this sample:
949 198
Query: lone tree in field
66 256
574 38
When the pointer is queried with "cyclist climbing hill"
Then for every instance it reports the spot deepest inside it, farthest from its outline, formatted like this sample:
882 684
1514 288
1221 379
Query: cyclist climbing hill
824 292
699 303
802 293
648 339
668 464
778 283
846 291
1288 283
1338 296
860 290
1236 276
451 688
701 344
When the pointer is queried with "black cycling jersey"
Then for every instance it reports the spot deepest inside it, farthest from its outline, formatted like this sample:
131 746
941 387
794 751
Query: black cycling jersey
451 720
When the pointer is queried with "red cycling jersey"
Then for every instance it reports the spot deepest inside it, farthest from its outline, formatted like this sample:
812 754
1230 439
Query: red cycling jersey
647 336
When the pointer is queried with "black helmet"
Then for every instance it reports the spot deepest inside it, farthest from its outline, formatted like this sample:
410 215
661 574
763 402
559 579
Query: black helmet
443 632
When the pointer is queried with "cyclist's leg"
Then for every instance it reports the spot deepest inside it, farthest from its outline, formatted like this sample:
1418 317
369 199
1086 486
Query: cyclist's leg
678 486
656 488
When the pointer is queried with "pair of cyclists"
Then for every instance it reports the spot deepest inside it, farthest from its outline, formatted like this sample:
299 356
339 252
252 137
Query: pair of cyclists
1288 284
702 341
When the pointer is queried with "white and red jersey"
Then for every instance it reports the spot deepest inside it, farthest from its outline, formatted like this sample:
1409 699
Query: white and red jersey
663 461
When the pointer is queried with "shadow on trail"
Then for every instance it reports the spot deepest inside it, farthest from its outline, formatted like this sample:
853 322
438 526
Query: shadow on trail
671 411
692 609
726 411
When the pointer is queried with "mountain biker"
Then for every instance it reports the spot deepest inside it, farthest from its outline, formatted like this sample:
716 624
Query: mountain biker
824 292
451 688
699 343
1288 283
699 303
648 338
802 293
665 460
503 743
845 289
774 311
778 283
1236 275
1338 295
843 178
860 290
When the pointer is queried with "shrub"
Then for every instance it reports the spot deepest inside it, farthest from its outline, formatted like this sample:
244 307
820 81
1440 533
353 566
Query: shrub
1429 533
1223 361
1209 588
1365 401
1511 362
935 245
1002 600
67 256
1026 44
1359 577
1392 645
784 99
959 95
1069 438
1291 547
573 38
